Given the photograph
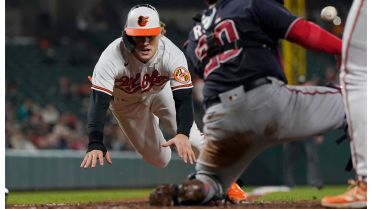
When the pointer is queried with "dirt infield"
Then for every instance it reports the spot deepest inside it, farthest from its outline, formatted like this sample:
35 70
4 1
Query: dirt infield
145 205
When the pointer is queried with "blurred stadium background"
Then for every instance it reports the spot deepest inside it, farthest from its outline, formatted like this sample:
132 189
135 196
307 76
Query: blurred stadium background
51 48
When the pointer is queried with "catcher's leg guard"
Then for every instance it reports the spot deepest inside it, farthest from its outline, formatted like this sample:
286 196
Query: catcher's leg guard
164 195
189 193
235 194
192 192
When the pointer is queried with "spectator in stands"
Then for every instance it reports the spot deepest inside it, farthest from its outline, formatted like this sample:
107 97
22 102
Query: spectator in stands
25 110
49 114
293 152
64 86
331 76
19 141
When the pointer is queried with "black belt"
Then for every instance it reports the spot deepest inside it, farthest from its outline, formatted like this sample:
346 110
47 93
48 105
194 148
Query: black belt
247 87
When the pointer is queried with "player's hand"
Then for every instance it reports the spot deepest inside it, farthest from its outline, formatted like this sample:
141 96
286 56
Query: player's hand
183 146
91 158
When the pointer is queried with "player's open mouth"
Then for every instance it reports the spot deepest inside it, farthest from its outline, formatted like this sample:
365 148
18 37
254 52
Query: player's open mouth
145 51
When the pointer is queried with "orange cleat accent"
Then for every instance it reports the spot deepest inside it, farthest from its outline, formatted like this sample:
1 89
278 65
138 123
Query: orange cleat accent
236 194
354 197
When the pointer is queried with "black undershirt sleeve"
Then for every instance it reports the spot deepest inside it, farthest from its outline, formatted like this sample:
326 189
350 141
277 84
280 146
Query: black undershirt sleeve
184 110
98 105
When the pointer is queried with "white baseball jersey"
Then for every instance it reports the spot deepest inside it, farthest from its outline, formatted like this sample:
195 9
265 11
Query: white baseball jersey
131 79
142 95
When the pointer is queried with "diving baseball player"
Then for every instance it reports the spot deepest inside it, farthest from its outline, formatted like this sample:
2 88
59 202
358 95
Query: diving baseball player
143 78
249 106
353 79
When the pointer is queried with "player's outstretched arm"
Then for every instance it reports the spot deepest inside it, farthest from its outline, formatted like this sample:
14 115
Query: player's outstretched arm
184 118
183 146
98 105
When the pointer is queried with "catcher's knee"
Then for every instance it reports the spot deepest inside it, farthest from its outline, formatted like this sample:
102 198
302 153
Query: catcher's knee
231 148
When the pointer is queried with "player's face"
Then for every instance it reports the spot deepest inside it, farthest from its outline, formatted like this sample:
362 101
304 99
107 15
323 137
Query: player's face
145 47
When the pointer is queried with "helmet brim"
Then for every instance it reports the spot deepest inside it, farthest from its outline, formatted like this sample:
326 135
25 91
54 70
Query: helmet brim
143 31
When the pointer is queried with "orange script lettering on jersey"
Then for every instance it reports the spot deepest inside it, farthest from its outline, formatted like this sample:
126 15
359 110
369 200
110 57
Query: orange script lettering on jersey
133 84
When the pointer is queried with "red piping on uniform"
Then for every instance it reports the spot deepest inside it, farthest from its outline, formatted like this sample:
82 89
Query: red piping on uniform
101 89
311 36
182 86
351 131
313 93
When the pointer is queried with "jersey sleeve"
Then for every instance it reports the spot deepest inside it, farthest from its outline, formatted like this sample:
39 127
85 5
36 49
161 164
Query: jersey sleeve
273 17
180 77
190 46
103 78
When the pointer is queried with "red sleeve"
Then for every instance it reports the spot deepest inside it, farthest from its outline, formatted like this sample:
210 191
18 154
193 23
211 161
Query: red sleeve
311 36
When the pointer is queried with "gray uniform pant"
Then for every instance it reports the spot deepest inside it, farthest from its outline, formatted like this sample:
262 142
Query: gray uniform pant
246 123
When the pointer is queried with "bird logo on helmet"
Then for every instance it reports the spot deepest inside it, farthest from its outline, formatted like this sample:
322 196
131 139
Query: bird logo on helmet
142 20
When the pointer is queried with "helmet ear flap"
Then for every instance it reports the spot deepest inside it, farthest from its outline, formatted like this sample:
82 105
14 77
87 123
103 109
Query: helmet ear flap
128 42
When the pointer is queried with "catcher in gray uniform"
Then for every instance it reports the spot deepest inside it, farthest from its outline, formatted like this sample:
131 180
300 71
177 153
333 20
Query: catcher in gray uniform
249 106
